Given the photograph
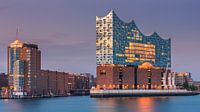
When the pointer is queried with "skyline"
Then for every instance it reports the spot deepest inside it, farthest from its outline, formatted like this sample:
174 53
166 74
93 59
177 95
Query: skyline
74 30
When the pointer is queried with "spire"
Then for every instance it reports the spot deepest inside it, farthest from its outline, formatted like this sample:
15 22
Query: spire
17 33
17 41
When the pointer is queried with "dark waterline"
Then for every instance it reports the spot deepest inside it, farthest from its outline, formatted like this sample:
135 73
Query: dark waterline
87 104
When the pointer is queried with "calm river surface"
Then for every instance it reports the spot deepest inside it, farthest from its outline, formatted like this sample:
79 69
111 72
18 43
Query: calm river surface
87 104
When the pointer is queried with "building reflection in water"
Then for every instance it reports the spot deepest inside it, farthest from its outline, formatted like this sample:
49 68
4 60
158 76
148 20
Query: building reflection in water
19 105
140 104
145 104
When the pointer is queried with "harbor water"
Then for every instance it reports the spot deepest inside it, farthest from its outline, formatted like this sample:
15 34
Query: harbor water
87 104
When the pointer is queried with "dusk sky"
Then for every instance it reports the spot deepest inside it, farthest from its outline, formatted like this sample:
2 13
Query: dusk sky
65 29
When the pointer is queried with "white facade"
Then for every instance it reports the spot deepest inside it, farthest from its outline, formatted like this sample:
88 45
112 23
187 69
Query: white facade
104 40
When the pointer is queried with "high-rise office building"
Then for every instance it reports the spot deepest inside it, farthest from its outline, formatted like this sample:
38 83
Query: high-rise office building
122 43
24 64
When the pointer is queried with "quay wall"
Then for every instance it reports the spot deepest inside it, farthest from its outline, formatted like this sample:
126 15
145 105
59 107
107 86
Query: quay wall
136 93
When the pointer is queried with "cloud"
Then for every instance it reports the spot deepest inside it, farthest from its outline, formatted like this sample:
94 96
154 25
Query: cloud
53 38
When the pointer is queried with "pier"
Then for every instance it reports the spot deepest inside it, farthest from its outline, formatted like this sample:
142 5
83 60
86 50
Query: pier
139 93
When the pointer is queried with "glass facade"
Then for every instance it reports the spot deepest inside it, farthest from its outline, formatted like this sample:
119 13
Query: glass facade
24 63
14 55
19 68
122 43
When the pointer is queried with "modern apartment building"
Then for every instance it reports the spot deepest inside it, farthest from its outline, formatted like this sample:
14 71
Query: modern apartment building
27 78
24 65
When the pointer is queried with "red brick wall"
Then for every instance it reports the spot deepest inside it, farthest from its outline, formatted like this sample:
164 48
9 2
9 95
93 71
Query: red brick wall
60 83
52 81
142 78
66 86
107 78
156 78
42 83
128 76
110 80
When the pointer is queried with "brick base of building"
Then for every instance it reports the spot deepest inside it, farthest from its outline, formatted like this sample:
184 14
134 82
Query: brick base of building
108 77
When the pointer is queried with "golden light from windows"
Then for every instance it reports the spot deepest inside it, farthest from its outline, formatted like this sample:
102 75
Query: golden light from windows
144 52
146 65
16 44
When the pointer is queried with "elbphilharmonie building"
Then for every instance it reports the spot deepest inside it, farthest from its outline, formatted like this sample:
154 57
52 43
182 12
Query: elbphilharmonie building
122 43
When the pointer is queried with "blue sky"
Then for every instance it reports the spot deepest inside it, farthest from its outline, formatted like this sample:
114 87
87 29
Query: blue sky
65 29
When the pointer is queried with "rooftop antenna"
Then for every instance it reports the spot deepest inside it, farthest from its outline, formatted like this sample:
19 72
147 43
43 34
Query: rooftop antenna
17 33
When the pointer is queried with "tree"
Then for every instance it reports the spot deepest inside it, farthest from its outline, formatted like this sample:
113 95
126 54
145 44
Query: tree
185 85
189 87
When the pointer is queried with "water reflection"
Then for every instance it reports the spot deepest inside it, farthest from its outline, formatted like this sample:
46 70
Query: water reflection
140 104
18 105
145 105
87 104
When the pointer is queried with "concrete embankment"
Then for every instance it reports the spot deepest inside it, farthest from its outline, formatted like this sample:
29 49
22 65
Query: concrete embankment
31 97
139 93
78 92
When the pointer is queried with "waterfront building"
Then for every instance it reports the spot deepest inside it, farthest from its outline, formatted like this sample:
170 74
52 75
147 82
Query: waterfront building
182 78
128 59
3 84
24 64
27 78
108 76
60 83
197 84
52 83
3 80
91 79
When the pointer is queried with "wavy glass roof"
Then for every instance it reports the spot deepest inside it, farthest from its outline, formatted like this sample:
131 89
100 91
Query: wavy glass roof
125 35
